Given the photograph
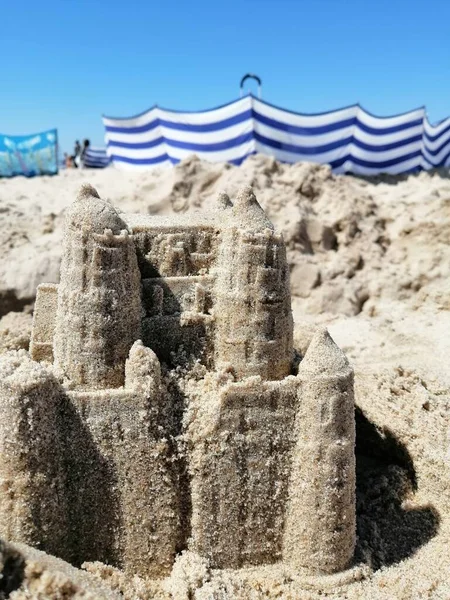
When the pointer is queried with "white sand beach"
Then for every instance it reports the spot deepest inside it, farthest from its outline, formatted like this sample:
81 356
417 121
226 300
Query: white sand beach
370 259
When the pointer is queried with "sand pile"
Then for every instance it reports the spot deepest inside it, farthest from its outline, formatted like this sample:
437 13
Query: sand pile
370 259
350 242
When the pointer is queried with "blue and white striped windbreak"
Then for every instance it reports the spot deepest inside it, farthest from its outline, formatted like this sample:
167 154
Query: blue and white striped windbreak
96 158
349 139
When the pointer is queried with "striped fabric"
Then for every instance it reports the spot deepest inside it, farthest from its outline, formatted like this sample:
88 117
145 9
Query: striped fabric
351 140
96 158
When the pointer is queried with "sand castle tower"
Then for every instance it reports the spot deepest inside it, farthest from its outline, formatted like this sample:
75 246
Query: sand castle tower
99 306
253 308
120 485
320 530
33 509
239 488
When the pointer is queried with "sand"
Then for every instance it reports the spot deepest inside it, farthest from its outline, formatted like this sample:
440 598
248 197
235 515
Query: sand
369 259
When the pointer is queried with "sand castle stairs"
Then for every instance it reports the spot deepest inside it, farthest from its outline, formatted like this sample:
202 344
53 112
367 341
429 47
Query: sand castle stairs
160 408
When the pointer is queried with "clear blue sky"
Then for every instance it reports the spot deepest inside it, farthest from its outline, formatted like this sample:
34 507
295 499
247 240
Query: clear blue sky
66 62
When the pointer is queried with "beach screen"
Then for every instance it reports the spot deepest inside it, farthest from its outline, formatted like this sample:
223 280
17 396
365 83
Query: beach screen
29 155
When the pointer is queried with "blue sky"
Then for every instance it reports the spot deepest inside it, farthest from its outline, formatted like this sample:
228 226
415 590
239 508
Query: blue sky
67 62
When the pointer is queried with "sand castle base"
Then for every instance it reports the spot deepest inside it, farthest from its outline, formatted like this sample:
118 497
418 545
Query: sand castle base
190 574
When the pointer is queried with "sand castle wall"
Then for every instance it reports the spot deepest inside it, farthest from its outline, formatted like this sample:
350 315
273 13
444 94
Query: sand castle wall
239 465
44 321
175 261
122 490
100 481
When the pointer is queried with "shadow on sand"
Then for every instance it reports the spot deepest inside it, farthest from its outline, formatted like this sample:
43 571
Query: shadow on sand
442 172
388 531
92 494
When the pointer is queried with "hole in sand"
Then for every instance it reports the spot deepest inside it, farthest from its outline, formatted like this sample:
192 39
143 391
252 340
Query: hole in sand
12 575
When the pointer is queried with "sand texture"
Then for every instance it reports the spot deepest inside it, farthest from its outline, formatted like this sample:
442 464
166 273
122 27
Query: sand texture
191 422
30 574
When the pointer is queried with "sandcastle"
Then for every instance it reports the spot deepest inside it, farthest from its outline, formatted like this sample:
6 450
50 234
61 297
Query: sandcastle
162 406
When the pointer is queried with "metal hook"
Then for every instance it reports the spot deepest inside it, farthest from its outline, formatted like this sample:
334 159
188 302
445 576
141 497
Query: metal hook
251 76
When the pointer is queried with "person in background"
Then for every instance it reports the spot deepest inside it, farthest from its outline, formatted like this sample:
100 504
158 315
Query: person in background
86 144
67 161
76 154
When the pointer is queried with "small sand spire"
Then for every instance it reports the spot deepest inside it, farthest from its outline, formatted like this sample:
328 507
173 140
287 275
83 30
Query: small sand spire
323 356
246 197
223 200
142 368
249 212
91 213
87 191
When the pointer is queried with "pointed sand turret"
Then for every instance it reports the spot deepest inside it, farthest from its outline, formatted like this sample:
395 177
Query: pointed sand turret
320 520
324 357
89 212
249 212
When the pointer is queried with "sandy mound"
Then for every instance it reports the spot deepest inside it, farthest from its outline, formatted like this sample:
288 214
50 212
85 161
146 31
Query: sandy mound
350 242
